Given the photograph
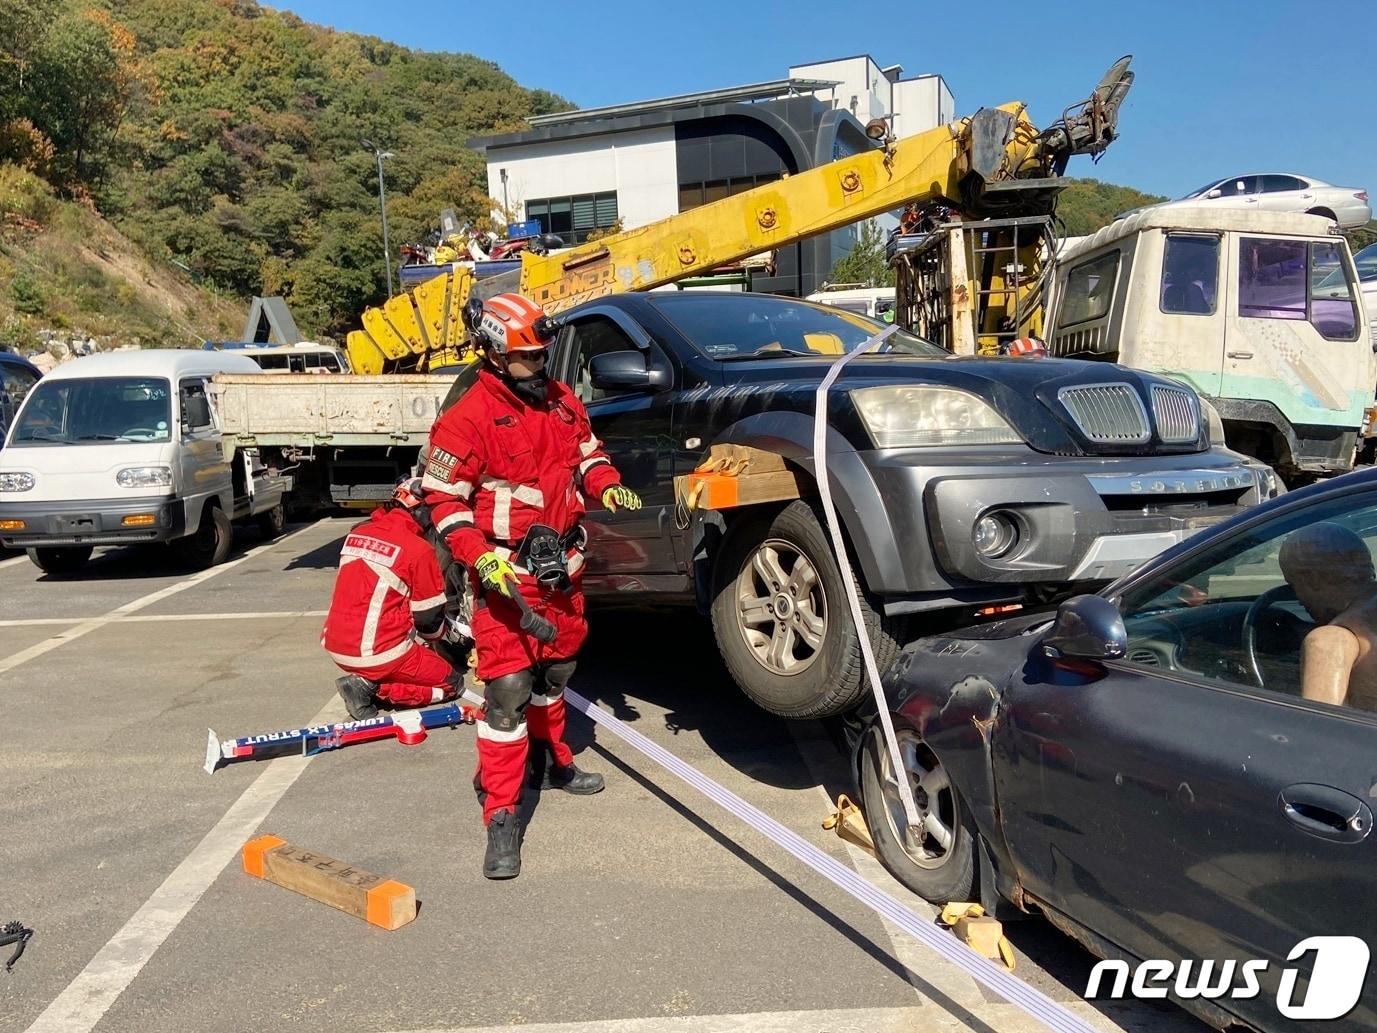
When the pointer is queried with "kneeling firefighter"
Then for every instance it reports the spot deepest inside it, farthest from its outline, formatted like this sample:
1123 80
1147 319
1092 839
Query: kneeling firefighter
388 612
509 466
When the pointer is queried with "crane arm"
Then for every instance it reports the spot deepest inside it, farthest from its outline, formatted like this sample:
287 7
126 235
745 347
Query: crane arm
995 161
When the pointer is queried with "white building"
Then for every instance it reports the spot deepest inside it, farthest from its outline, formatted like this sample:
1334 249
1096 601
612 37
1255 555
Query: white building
579 170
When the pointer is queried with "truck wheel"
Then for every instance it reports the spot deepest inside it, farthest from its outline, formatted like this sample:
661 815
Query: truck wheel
271 523
60 560
782 621
938 862
210 545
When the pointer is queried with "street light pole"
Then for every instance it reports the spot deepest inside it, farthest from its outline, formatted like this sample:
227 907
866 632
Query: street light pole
506 211
382 203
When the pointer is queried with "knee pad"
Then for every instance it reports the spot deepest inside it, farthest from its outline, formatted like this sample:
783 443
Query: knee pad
557 676
506 699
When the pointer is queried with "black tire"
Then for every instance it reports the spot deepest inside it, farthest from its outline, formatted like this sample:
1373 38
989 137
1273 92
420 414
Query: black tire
271 523
210 545
789 676
60 560
940 879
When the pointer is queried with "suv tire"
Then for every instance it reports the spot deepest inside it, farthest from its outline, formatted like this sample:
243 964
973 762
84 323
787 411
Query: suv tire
782 622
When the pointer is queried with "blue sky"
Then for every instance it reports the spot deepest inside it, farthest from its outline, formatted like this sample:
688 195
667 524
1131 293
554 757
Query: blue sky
1223 87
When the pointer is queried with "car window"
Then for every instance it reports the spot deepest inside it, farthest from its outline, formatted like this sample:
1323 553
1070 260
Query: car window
1271 278
1089 289
1238 187
1190 274
596 335
195 406
1332 308
1366 261
1276 184
1289 607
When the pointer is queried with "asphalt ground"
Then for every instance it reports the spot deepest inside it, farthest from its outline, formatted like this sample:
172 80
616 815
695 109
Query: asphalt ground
643 908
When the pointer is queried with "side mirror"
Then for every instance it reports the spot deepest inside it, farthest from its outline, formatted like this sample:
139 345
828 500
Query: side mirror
195 412
1087 627
627 371
1216 192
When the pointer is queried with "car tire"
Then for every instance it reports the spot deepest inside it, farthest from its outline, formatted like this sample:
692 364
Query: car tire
60 560
806 663
271 523
938 874
210 545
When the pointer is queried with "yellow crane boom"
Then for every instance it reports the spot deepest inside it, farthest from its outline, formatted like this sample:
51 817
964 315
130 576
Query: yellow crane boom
993 162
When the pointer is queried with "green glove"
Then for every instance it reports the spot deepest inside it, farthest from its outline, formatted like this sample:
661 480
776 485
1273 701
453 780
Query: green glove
617 497
495 573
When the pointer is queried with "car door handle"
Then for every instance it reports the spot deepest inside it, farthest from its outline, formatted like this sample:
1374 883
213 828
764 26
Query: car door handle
1326 812
1239 355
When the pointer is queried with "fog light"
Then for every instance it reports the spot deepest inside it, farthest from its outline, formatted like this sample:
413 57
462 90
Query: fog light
12 525
140 520
994 535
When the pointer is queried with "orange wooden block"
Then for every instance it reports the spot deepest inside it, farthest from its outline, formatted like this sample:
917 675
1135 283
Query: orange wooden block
254 850
379 901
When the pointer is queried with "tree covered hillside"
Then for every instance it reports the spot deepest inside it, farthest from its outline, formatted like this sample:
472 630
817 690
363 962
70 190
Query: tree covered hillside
225 137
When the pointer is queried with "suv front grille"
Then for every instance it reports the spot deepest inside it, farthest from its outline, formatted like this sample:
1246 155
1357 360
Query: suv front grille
1107 414
1176 413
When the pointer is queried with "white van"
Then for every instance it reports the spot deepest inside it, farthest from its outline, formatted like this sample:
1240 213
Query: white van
302 357
125 448
872 302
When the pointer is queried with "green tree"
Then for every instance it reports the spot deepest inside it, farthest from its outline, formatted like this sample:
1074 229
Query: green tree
26 24
866 263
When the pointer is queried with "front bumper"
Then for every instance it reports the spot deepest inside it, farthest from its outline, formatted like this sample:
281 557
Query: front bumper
91 522
1078 519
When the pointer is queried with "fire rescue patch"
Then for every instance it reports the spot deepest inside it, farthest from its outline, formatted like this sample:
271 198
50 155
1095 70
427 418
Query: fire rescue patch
365 548
441 465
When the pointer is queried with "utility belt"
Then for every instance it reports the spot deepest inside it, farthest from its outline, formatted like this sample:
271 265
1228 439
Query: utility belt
544 555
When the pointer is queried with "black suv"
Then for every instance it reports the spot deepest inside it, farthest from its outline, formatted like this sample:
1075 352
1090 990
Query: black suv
962 484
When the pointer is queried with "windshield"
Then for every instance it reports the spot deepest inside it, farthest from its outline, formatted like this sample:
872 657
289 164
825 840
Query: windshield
95 410
730 327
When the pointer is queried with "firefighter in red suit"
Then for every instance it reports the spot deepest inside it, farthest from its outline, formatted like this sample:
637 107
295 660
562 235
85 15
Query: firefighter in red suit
509 468
388 606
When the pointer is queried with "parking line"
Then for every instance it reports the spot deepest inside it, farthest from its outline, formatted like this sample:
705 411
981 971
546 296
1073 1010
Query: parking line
12 561
89 625
154 618
90 995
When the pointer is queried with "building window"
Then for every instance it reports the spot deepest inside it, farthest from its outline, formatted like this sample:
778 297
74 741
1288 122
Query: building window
573 218
691 195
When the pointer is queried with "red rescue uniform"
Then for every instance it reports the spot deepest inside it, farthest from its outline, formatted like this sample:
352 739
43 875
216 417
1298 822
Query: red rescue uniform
497 467
389 599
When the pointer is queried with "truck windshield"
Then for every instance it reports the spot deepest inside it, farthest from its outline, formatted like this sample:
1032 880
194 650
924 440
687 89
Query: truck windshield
95 409
731 327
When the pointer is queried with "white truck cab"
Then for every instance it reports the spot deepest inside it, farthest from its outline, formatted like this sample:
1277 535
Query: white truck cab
872 302
125 448
1259 311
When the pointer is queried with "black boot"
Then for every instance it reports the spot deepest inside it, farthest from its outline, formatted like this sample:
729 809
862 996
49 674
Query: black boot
502 860
357 693
572 780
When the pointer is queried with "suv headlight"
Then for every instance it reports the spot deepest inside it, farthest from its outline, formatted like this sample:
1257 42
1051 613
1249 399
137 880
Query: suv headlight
1213 424
915 417
16 482
144 477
